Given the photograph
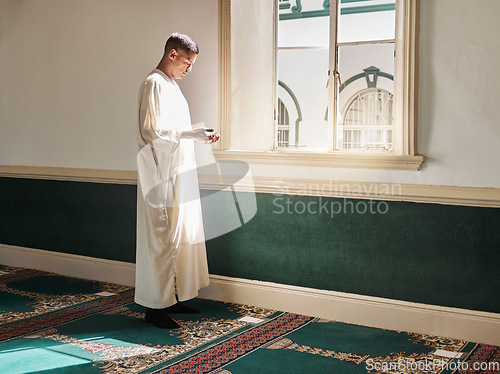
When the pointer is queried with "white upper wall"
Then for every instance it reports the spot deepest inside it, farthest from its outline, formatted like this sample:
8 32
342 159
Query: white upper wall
459 114
71 72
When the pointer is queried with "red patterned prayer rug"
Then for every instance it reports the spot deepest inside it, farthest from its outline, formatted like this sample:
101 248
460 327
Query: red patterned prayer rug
483 359
231 349
38 323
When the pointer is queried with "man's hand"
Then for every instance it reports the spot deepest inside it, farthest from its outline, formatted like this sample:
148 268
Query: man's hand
202 135
213 136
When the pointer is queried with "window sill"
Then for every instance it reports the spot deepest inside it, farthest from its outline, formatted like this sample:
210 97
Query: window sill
368 160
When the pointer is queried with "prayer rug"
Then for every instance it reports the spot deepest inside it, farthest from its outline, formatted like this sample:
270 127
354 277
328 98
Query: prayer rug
55 324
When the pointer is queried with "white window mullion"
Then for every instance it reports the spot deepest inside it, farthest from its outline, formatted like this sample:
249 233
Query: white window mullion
333 77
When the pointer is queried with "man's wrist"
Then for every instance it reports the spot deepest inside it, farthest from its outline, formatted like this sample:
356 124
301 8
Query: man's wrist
187 134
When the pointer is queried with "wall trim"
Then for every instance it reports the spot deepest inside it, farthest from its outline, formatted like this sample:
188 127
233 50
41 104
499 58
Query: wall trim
365 160
451 195
371 311
69 174
420 193
69 264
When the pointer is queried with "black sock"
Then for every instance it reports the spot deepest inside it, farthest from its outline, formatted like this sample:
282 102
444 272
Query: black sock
181 308
159 318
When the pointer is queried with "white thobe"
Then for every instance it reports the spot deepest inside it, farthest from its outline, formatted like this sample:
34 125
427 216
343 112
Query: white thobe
171 255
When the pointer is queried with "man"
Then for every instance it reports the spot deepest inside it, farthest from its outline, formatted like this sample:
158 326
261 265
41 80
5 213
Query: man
171 261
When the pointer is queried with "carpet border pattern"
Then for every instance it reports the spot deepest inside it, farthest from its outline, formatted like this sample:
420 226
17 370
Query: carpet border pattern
59 317
214 358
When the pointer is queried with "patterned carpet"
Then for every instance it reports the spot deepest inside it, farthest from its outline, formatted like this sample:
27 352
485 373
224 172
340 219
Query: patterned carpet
55 324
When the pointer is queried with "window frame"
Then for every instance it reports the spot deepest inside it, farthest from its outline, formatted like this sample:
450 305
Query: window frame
404 155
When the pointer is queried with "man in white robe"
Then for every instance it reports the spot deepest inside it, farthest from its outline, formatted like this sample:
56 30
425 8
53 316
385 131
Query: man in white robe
171 264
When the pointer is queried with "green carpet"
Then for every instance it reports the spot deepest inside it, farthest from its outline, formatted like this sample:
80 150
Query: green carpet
55 324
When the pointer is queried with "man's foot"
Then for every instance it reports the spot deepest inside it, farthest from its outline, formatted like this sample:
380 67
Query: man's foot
180 308
159 318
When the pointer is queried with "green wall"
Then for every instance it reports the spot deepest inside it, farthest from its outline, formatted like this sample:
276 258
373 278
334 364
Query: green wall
429 253
90 219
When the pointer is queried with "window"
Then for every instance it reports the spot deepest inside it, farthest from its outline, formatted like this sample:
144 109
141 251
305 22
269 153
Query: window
287 66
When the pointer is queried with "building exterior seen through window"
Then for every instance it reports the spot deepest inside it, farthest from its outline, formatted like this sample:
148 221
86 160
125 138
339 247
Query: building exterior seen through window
367 122
365 40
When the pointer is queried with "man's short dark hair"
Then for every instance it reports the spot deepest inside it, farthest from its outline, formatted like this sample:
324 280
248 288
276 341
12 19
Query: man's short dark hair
181 41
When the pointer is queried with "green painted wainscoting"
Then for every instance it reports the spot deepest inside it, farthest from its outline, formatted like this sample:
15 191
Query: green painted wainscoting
89 219
429 253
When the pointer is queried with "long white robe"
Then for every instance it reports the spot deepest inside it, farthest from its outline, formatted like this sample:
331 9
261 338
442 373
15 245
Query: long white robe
171 255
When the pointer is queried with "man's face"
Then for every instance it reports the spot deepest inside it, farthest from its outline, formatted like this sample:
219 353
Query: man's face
182 62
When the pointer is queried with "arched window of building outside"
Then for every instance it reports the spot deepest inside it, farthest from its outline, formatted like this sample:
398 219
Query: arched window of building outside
368 120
